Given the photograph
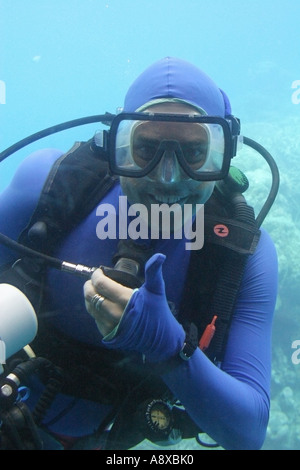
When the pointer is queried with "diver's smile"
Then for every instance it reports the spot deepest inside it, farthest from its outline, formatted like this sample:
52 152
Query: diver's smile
169 198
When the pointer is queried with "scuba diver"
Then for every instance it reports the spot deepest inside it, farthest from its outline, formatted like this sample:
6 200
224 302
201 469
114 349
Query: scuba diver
156 336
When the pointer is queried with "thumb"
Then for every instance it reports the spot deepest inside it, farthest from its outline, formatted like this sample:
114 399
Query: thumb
154 281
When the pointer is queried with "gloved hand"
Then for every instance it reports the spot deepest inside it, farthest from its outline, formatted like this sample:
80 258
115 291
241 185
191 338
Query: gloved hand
147 325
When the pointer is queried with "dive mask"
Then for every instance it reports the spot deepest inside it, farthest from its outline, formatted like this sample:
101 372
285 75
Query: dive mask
202 145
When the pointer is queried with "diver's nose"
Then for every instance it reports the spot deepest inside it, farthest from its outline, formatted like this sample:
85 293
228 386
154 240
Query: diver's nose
168 169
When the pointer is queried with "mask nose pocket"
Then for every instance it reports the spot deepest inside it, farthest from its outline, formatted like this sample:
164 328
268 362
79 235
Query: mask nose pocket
168 169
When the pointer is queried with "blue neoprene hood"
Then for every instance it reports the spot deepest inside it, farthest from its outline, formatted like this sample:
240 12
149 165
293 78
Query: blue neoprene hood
175 78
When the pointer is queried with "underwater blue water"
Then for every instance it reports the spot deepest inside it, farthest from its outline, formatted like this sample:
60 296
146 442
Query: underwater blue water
64 59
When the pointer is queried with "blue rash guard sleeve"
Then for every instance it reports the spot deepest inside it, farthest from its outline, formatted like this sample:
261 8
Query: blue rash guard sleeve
230 403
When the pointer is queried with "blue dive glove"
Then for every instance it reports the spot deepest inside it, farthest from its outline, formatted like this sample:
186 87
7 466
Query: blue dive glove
148 325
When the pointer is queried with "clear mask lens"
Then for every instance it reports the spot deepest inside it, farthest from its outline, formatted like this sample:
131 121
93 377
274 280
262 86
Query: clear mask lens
140 145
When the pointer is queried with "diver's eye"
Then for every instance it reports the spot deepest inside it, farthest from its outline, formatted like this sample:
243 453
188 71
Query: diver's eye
143 151
195 155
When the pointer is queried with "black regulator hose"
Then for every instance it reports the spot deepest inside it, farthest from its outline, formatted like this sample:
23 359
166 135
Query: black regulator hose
78 269
24 250
104 118
53 377
275 179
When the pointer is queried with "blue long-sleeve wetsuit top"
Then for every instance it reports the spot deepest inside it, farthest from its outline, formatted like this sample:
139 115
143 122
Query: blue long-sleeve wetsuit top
230 403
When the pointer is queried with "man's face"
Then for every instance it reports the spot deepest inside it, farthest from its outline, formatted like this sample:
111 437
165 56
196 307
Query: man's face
167 183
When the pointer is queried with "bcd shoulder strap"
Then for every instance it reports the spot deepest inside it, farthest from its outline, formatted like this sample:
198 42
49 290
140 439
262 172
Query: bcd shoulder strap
215 272
76 182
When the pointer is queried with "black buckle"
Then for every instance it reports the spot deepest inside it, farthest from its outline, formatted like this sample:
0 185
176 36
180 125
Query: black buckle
191 343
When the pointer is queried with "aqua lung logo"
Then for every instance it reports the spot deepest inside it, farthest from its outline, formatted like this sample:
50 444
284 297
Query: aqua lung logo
2 92
2 352
164 221
296 93
221 230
